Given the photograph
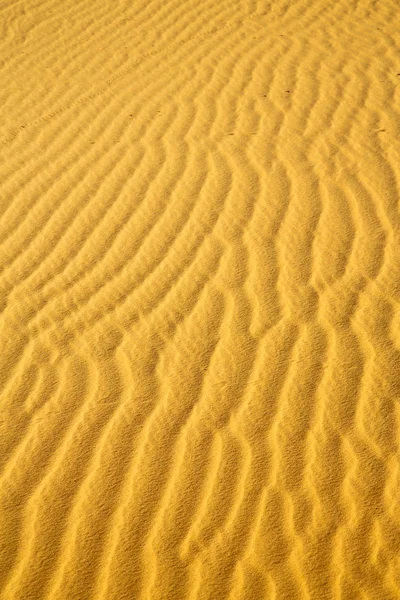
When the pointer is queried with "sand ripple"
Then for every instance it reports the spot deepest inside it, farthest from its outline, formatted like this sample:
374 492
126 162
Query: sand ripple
199 296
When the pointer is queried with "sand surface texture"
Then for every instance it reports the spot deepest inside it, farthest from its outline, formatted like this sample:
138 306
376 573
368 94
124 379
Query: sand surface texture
199 295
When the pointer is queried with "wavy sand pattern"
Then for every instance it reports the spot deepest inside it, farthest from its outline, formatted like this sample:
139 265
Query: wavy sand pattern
200 288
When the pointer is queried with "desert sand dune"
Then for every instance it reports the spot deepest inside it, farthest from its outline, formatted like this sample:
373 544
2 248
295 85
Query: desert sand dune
200 287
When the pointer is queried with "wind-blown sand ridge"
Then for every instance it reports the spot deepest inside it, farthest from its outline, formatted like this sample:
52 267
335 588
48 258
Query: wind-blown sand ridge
199 295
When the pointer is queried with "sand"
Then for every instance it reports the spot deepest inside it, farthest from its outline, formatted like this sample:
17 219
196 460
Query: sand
199 295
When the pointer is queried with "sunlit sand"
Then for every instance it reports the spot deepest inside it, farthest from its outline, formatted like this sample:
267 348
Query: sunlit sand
199 300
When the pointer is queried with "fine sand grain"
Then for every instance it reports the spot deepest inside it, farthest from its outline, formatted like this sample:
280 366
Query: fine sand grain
199 300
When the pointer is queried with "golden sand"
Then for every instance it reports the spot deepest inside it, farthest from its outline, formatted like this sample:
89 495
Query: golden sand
200 287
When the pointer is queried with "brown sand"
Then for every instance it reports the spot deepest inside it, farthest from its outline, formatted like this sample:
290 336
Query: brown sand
200 286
